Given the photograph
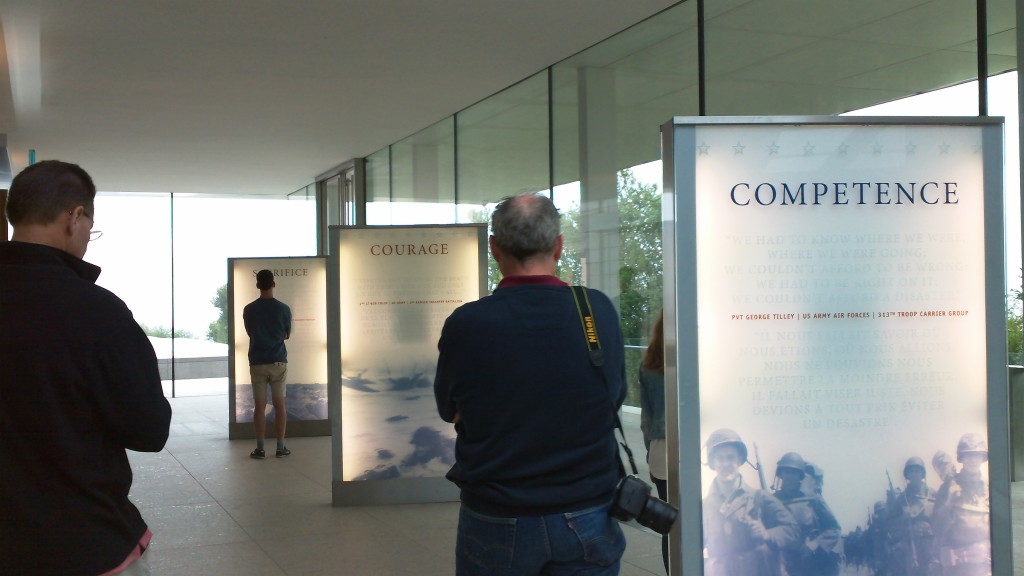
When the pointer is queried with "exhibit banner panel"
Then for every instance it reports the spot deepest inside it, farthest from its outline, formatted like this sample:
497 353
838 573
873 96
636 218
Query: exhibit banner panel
301 283
392 287
838 342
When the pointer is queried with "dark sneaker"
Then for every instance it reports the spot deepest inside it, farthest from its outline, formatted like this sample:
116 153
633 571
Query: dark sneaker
258 454
282 452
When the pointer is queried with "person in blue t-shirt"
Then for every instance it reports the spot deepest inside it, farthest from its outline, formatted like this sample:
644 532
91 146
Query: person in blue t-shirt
268 322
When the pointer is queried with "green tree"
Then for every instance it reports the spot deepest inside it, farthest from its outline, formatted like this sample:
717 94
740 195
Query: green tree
640 246
1015 327
640 282
640 234
164 332
481 215
218 330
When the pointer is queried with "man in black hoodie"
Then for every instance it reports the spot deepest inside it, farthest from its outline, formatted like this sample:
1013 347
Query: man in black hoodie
79 385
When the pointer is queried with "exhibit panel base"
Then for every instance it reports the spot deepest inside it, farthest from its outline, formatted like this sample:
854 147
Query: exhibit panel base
296 429
393 491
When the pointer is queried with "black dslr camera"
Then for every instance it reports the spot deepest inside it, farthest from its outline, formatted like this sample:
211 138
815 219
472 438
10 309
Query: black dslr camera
633 500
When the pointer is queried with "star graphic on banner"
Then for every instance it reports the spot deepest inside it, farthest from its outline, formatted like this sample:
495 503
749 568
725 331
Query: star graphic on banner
943 148
843 149
808 149
876 148
704 148
773 149
737 150
911 148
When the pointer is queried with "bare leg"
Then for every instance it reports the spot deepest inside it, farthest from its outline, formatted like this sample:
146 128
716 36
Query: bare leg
259 420
280 419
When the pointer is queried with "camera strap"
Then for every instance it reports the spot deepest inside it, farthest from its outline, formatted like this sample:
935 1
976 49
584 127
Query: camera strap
596 354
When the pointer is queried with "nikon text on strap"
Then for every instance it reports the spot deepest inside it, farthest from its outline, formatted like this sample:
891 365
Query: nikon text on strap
589 325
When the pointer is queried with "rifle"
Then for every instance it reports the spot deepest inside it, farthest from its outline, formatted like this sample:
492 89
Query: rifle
892 489
759 468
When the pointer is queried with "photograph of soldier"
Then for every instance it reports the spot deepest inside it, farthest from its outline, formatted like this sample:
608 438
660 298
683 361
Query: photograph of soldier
814 481
744 528
814 553
921 531
961 522
908 524
945 467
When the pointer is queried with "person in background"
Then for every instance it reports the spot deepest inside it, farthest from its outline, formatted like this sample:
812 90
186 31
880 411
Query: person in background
652 415
79 385
268 322
535 452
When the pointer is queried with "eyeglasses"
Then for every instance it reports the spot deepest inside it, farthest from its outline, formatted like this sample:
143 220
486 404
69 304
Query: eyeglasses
93 234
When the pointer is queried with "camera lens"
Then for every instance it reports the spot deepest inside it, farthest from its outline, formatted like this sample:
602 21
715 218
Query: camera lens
633 500
658 515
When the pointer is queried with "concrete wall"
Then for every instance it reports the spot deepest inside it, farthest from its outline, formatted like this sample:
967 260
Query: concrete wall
192 368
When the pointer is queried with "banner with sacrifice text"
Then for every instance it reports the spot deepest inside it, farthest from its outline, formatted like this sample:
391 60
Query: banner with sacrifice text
301 283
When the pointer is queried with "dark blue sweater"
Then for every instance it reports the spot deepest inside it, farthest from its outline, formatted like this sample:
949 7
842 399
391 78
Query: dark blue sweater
535 430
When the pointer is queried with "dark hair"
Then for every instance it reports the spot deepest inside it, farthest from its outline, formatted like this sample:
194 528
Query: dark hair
264 279
654 358
526 225
39 193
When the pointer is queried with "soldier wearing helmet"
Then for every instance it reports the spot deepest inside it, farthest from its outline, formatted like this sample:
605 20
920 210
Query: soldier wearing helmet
744 528
814 482
962 523
813 554
945 468
909 524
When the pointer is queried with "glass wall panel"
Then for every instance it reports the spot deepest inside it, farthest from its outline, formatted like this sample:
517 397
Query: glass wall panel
423 165
1002 36
378 187
1003 101
423 176
135 255
608 104
207 231
836 56
503 143
612 98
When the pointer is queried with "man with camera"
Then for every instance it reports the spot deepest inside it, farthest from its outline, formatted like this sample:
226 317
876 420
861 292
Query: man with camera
536 457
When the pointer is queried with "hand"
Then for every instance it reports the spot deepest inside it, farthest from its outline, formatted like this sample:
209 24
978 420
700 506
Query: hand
758 531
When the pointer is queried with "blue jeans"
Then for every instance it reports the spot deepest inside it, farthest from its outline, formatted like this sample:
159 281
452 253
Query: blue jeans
588 542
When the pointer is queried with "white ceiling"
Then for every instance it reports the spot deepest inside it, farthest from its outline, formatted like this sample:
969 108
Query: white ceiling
260 96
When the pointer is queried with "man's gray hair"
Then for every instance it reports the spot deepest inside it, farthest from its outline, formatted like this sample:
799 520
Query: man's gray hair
525 225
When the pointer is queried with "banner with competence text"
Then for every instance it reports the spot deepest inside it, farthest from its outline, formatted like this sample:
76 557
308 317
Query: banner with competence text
841 342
